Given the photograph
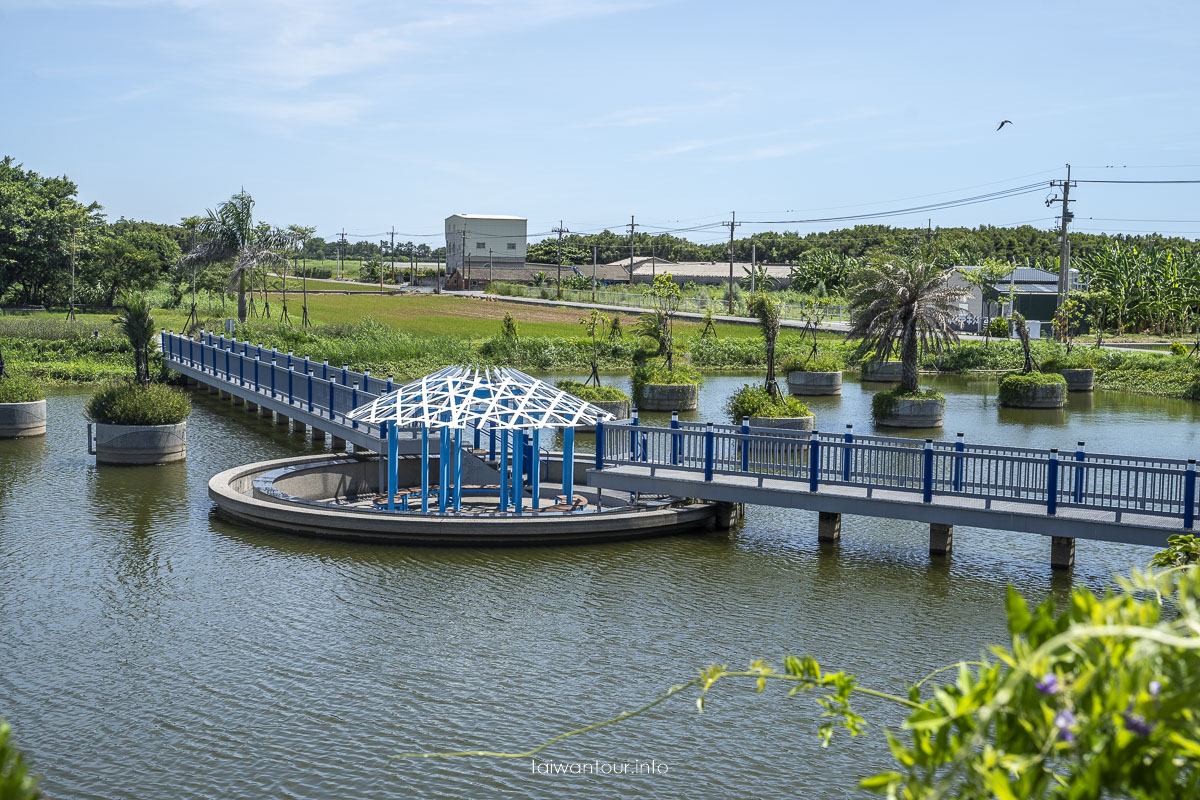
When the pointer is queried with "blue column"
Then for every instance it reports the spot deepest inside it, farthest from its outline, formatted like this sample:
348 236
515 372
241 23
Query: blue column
745 444
535 466
959 446
599 445
476 437
708 453
345 374
1189 495
354 402
443 463
366 380
325 370
424 469
308 378
458 432
518 479
272 378
1052 482
814 460
241 370
675 437
633 432
393 465
492 441
291 382
846 453
1079 456
226 365
331 383
504 470
927 476
568 468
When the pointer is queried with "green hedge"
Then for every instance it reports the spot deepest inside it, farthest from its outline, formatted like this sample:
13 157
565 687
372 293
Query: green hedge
820 363
20 390
1019 387
883 404
128 403
656 372
592 394
756 401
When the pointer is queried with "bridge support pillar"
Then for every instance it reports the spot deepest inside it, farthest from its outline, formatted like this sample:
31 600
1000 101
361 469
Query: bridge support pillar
941 539
224 395
299 428
318 436
729 514
1062 552
339 444
251 407
237 401
829 526
193 382
282 419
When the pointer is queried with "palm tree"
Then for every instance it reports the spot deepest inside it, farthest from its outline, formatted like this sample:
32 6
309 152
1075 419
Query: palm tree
229 232
138 326
767 312
906 303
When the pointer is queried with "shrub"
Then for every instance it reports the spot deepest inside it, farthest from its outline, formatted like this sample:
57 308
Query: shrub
819 363
756 401
1178 349
592 394
656 372
20 390
1078 358
508 326
883 404
1019 387
128 403
998 328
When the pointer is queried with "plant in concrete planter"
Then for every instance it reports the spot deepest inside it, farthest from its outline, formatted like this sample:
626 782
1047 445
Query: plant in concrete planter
657 387
1033 390
755 402
900 408
128 403
767 312
609 398
907 303
22 406
814 375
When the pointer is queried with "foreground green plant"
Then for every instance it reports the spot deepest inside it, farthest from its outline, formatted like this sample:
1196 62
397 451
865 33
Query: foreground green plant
825 363
656 372
756 401
15 780
592 394
18 389
1019 387
127 403
885 403
1098 700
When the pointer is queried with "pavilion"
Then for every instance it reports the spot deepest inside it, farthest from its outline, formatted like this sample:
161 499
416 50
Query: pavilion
501 403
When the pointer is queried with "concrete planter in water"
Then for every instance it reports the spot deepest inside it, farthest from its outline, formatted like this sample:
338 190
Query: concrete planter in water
1079 380
882 371
620 409
1047 395
18 420
139 444
669 397
815 383
914 412
785 423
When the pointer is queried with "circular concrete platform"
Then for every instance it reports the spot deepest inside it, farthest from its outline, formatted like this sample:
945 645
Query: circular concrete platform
331 497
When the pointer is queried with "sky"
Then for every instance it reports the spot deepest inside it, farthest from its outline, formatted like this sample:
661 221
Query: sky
365 116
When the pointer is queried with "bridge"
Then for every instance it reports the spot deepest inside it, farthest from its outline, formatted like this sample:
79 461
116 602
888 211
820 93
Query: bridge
1063 495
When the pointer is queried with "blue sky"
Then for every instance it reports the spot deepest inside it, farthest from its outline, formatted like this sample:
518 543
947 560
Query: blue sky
373 114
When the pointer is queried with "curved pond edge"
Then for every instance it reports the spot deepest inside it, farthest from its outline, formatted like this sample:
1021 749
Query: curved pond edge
239 500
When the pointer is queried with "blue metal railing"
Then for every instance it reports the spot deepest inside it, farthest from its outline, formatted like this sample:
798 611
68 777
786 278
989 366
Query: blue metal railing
975 475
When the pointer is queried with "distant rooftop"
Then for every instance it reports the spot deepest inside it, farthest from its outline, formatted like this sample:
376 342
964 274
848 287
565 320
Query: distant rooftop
489 216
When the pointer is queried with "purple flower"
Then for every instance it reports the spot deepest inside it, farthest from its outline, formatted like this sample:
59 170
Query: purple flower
1136 723
1154 688
1048 684
1063 720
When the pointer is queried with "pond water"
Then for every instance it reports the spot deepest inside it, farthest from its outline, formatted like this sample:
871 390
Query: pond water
151 649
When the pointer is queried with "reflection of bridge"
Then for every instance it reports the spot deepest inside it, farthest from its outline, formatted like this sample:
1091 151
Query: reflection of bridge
1065 496
1076 496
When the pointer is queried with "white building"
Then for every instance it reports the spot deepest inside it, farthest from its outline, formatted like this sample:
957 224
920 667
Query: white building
496 237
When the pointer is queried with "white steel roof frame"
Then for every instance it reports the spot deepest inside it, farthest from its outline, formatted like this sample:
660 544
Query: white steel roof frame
458 397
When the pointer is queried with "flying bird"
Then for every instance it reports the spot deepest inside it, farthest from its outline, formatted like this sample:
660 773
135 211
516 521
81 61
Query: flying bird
1002 124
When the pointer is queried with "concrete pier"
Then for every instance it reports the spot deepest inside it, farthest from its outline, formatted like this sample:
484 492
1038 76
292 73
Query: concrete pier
829 526
299 428
941 539
251 407
265 412
282 419
237 401
1062 552
224 395
338 444
729 514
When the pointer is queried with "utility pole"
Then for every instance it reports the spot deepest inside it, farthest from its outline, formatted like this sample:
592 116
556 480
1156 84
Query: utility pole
560 230
1064 244
381 244
71 310
653 265
463 266
595 258
342 255
412 268
753 262
632 225
491 272
392 253
733 223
